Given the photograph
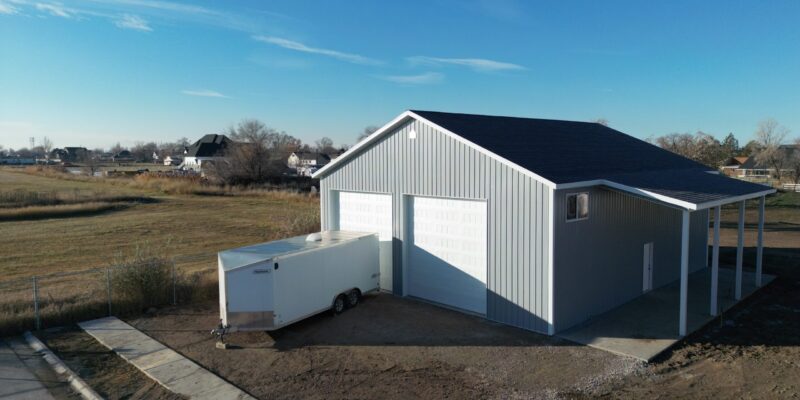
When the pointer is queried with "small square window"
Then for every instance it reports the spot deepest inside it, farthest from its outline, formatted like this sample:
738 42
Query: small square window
577 206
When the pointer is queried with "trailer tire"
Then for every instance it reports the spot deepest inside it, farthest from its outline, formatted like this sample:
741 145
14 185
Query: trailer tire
339 304
353 297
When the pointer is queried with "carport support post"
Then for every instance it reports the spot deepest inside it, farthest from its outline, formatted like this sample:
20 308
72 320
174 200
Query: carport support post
739 253
760 244
684 273
715 262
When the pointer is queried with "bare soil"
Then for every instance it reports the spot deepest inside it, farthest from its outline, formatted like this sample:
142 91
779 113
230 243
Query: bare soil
389 348
108 374
395 348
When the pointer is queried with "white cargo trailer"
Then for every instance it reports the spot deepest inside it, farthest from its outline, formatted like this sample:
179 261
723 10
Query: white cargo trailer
270 285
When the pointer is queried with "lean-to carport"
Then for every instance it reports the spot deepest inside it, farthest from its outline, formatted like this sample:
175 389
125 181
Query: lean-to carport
691 190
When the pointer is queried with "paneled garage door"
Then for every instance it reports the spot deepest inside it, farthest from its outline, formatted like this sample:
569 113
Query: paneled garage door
370 212
447 252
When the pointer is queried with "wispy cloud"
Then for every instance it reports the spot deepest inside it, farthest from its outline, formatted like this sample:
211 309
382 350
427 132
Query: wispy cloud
56 10
420 79
204 93
476 64
7 9
129 21
297 46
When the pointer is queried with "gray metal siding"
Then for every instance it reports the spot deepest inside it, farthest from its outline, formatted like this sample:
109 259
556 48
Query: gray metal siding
435 164
598 261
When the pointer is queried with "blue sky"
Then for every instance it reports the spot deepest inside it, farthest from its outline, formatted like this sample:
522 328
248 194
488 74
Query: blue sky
96 72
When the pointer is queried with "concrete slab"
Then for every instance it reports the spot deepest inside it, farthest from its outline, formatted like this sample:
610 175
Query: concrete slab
172 370
17 382
648 325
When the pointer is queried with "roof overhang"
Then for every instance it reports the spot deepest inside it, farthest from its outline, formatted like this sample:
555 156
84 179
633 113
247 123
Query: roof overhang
660 198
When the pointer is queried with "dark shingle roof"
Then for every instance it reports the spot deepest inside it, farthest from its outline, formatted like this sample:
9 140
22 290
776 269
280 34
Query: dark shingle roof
567 151
561 151
208 146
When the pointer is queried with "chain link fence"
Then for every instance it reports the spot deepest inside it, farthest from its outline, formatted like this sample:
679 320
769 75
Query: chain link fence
52 300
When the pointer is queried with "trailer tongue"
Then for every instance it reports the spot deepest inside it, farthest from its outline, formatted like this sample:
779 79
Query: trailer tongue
270 285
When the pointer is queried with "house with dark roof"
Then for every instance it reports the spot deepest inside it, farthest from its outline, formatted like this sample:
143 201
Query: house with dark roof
731 166
209 148
305 163
540 224
754 168
122 156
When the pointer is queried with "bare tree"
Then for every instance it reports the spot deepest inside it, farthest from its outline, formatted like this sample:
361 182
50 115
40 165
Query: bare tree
700 147
258 152
770 135
366 132
47 145
601 121
324 145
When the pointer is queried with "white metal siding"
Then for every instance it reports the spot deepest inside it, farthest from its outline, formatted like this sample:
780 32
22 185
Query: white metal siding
436 165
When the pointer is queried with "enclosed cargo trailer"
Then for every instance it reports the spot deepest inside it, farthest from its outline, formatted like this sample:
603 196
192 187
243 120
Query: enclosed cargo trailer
270 285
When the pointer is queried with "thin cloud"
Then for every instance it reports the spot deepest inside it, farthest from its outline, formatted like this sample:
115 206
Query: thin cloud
297 46
7 9
420 79
128 21
476 64
56 10
204 93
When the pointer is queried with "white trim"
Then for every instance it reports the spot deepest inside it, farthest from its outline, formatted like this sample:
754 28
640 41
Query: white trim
551 327
684 284
409 114
660 197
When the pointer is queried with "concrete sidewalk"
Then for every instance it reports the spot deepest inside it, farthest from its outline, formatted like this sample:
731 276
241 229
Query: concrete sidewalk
162 364
17 382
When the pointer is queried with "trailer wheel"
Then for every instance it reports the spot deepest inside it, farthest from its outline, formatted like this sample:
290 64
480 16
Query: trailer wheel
339 304
353 297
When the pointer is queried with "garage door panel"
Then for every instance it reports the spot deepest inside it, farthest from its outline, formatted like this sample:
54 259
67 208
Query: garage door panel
370 212
447 255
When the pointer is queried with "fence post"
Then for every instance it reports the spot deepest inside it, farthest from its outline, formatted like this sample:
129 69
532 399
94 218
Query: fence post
174 285
36 304
108 288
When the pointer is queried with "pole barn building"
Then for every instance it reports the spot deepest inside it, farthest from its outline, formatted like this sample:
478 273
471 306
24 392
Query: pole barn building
539 224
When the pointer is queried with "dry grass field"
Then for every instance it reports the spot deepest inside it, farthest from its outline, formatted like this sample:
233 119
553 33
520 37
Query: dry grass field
195 227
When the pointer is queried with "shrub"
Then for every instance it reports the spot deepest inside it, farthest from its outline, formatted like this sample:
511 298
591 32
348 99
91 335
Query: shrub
143 280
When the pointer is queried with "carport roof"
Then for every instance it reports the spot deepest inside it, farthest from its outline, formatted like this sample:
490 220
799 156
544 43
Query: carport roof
570 154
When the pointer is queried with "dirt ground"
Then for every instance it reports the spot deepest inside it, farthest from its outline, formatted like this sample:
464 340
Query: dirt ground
389 348
107 373
394 348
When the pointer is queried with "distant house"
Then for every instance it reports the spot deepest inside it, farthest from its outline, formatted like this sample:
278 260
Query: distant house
173 160
209 148
731 166
307 158
752 168
122 156
305 163
68 154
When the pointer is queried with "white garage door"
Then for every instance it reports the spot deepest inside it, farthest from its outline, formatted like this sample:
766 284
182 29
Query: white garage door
447 253
370 212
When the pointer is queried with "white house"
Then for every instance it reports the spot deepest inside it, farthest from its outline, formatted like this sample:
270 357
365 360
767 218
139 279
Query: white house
209 148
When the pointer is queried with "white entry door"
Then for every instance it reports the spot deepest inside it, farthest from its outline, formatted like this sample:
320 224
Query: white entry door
647 268
370 212
447 252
